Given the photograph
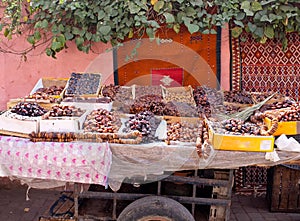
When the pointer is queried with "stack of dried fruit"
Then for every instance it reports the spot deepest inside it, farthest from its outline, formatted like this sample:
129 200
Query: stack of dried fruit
64 111
102 121
29 109
144 122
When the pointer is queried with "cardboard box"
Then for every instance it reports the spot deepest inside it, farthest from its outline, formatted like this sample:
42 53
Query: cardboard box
62 124
24 125
240 142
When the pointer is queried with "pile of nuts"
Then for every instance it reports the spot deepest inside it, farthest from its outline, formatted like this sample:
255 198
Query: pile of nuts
259 97
64 111
86 83
183 131
241 97
240 127
141 91
102 121
28 109
144 122
185 110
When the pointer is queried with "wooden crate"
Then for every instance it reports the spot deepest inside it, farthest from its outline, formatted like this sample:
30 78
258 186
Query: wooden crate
283 190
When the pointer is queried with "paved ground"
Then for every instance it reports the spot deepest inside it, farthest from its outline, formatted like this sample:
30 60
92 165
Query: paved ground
14 207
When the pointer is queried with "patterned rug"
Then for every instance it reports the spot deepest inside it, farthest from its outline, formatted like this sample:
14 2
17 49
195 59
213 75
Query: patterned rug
265 67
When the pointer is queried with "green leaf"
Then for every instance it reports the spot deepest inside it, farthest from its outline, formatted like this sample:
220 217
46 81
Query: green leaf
150 33
44 24
193 28
236 32
49 52
256 6
269 32
56 46
190 11
31 40
158 5
133 7
252 27
176 28
239 23
245 5
180 1
88 35
1 27
105 29
37 35
6 32
259 32
79 41
169 17
69 35
101 14
240 16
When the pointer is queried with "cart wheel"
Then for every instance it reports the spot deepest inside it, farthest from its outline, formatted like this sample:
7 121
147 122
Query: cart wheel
155 208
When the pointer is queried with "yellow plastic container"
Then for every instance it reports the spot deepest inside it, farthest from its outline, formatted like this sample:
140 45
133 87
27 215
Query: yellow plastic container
287 128
241 143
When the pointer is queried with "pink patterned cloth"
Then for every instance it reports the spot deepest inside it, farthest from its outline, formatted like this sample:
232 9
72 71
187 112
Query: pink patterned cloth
78 162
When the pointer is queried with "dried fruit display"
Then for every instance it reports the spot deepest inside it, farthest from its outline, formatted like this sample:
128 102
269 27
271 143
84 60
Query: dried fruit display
241 97
102 121
180 94
29 109
144 122
85 83
110 91
183 131
141 91
64 111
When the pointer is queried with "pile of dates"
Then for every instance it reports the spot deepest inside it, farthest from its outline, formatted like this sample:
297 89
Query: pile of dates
144 122
64 111
240 127
110 91
28 109
241 97
52 90
102 121
46 93
183 131
86 83
289 115
207 100
277 105
141 91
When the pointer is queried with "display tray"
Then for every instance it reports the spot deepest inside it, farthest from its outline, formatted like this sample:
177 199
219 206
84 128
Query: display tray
287 128
50 82
43 103
62 124
22 125
240 142
88 103
83 84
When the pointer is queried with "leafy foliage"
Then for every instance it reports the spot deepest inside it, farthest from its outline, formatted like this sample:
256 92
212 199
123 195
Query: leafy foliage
88 21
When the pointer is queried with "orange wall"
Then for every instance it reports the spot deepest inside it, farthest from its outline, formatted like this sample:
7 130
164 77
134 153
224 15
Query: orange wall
19 77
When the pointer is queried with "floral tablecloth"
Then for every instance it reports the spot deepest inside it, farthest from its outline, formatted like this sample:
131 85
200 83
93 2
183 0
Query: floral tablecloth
79 162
